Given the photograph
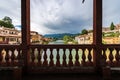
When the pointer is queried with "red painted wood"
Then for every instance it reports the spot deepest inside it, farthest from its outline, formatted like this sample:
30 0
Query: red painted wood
1 56
39 57
51 64
64 58
83 57
89 58
45 62
77 63
97 33
19 58
33 57
104 58
25 23
12 58
111 57
58 58
117 57
70 63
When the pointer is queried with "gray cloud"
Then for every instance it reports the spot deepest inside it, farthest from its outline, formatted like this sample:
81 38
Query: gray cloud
12 9
61 16
70 25
111 12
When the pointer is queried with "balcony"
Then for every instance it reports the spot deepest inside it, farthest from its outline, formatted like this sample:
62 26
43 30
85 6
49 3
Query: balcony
89 61
40 62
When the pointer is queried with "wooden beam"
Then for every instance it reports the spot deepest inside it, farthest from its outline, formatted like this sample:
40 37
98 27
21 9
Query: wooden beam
97 33
25 11
97 22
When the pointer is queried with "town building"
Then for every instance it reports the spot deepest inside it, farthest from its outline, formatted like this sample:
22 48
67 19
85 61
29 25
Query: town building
9 35
107 39
111 40
107 29
35 37
13 36
85 39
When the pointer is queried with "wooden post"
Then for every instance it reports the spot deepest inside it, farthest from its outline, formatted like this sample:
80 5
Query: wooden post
17 73
106 73
97 32
25 11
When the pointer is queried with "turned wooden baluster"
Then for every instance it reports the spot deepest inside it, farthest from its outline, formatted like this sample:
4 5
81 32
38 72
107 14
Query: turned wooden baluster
51 58
111 57
1 57
77 63
83 57
16 56
64 58
39 57
58 58
33 57
7 57
70 63
89 57
45 62
104 58
12 56
117 57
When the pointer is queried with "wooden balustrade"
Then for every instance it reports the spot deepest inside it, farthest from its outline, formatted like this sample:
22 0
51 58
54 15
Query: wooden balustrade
51 56
61 55
110 55
74 55
11 55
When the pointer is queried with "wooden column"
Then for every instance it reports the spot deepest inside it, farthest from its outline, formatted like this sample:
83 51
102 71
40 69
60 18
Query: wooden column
97 32
25 11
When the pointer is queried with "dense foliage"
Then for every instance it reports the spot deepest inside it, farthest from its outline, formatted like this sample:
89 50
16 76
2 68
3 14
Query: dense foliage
112 26
67 38
7 19
6 22
111 34
84 31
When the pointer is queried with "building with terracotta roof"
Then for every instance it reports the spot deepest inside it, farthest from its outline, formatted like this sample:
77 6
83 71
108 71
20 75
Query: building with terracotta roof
10 35
85 39
107 39
13 36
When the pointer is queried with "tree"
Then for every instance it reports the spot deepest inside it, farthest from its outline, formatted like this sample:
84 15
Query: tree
112 26
6 22
83 1
7 19
84 31
67 38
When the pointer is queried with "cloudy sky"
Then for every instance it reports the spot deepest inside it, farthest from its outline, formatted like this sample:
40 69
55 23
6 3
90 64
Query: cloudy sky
60 16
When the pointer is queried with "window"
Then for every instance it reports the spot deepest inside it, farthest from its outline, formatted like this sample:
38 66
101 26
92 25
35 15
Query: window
62 21
10 19
111 22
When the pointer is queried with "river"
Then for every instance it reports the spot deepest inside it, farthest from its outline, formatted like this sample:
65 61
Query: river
57 42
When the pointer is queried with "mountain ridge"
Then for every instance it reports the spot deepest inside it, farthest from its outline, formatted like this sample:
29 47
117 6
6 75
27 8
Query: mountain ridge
59 35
